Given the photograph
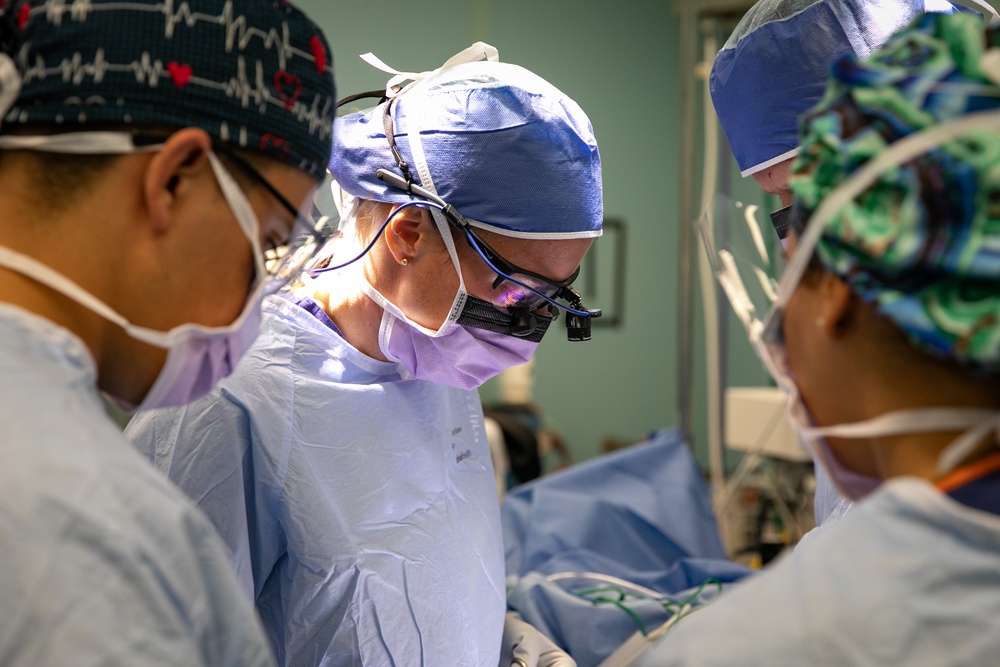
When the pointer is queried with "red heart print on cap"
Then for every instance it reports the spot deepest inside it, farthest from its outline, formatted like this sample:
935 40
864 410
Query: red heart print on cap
288 86
272 144
319 53
179 73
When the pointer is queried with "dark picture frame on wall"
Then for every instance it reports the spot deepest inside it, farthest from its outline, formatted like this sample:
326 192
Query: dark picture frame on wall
603 274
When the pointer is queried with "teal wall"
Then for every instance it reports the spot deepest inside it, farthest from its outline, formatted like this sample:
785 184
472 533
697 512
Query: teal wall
620 62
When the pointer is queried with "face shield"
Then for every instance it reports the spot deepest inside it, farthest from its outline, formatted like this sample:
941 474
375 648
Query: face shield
746 257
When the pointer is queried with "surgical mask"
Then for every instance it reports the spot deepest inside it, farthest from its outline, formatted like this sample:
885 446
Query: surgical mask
198 356
766 335
460 353
458 356
976 424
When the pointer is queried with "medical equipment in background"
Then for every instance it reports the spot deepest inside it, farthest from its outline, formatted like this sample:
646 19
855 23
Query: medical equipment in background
766 504
521 447
699 18
520 441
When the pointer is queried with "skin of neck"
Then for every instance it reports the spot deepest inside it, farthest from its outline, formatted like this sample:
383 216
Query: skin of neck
357 317
338 293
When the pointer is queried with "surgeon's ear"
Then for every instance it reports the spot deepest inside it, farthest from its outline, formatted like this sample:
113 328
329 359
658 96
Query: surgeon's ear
183 157
405 236
838 306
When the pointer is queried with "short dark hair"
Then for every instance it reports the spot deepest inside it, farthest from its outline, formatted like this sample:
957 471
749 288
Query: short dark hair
57 178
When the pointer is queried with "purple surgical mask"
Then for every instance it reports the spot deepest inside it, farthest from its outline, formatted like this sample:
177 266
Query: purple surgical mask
460 353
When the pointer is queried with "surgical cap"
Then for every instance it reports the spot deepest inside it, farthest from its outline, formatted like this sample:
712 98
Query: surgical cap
923 241
256 74
775 64
502 145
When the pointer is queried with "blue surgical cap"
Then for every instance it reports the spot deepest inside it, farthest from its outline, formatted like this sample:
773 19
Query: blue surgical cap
775 65
502 145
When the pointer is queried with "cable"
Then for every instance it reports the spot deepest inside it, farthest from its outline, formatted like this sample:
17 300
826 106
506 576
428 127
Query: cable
375 237
677 610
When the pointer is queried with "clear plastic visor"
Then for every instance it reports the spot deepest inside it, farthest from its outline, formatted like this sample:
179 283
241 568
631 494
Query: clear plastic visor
745 255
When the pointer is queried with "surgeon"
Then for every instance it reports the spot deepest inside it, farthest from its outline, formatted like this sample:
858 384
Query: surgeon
345 463
886 333
771 70
138 198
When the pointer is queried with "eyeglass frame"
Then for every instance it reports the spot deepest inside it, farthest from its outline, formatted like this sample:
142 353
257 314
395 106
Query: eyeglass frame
307 225
564 289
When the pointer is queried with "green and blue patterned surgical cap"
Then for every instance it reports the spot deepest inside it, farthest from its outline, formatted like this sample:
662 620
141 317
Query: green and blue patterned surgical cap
923 241
254 74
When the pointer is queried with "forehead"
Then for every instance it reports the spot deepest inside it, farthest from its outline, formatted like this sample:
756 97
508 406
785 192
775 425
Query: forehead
556 259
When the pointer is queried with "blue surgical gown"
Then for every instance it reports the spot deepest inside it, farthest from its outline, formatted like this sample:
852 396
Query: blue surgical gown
907 577
102 562
829 506
360 507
